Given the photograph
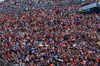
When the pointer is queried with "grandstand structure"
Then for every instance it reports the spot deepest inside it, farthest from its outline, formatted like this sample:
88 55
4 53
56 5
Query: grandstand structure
3 10
91 7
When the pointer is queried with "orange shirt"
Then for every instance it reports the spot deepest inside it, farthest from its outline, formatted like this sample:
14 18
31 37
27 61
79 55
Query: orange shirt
9 55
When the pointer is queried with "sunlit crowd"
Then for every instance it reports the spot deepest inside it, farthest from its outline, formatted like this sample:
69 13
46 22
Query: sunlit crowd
50 36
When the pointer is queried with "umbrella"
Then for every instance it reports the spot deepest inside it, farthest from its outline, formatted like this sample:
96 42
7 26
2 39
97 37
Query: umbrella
73 39
98 43
51 65
60 60
74 45
40 45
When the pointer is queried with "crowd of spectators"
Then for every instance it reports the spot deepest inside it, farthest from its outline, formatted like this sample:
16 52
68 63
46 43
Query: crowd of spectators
50 36
10 4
